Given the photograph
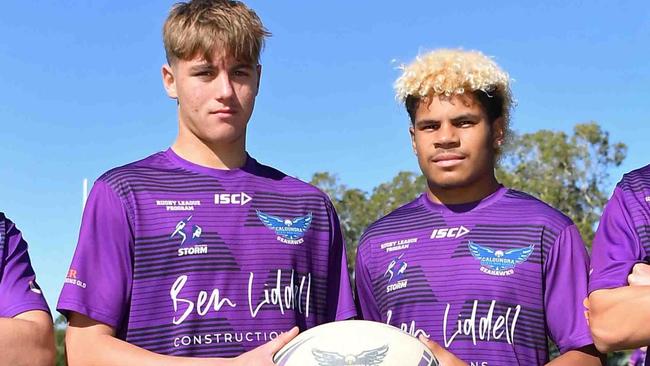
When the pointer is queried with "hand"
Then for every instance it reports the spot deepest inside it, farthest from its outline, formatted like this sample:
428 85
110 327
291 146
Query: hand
445 357
640 275
263 355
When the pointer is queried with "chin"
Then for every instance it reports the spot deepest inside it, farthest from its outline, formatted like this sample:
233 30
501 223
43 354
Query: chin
450 181
222 138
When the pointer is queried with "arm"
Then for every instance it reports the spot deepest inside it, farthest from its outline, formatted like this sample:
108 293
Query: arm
27 339
26 334
585 356
92 343
367 307
340 303
614 307
566 279
616 317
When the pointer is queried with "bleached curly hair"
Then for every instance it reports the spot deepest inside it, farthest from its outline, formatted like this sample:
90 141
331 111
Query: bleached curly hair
449 72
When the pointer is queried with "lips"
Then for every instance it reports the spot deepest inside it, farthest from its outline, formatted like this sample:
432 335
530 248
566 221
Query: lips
447 159
224 111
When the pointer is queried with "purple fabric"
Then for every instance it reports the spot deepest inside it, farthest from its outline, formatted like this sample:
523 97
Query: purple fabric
485 280
186 260
637 358
623 235
19 291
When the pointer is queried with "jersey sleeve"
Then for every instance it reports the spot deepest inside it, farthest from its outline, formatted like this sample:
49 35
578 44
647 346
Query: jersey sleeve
98 283
339 292
566 276
365 299
18 289
616 247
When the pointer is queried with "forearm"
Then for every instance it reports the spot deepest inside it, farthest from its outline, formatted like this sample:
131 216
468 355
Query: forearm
25 342
618 317
106 350
586 356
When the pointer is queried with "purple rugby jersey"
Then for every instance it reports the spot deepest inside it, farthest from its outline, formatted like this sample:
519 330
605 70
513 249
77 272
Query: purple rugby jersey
485 280
18 289
190 261
623 235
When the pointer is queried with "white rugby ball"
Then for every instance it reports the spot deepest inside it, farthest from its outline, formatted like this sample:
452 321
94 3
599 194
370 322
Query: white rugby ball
354 342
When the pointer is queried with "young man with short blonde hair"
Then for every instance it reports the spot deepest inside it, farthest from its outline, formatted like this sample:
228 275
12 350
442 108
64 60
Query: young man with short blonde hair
199 252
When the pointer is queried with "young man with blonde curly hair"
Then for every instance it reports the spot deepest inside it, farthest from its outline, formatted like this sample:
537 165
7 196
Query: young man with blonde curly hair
483 271
199 252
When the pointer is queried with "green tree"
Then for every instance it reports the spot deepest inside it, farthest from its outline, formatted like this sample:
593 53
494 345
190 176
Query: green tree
569 172
60 325
358 209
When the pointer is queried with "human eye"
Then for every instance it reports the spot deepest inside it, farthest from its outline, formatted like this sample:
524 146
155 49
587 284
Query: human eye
205 73
242 72
465 123
429 126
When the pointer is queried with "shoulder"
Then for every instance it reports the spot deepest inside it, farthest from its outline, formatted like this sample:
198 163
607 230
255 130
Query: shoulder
277 180
635 180
395 221
544 213
155 169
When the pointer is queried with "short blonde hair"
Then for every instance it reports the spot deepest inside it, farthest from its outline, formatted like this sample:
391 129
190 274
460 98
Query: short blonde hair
448 72
197 27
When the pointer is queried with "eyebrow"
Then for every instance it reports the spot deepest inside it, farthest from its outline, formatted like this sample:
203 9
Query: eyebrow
201 67
244 65
465 117
462 117
426 121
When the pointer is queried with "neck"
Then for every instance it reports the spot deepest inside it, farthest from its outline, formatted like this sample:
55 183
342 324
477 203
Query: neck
466 194
212 155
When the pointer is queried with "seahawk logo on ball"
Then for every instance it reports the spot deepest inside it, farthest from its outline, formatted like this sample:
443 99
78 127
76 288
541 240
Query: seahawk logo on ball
365 358
289 231
499 262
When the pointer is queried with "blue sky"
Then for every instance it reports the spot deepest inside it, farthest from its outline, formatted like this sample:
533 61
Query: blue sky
80 90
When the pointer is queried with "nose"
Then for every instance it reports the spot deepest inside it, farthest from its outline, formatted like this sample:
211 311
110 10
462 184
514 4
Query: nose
446 136
223 86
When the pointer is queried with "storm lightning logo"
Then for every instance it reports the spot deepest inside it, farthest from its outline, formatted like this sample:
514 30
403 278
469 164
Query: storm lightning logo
499 262
366 358
395 272
288 231
190 236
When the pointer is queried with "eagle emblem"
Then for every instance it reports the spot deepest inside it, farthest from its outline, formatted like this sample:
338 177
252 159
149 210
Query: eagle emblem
499 262
366 358
291 230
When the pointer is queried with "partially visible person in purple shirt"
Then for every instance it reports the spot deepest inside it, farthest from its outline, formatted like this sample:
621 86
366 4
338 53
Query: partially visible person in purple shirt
26 335
619 285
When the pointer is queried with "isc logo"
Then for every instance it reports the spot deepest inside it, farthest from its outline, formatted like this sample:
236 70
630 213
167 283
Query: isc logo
449 232
232 198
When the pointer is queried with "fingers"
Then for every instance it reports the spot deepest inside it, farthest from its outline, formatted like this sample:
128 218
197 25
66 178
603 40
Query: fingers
445 357
280 341
433 346
640 275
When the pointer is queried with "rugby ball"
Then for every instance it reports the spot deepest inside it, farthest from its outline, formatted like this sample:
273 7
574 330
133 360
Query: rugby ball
354 342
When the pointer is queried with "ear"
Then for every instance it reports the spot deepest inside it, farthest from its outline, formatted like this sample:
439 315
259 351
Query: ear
498 132
169 81
413 144
258 69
